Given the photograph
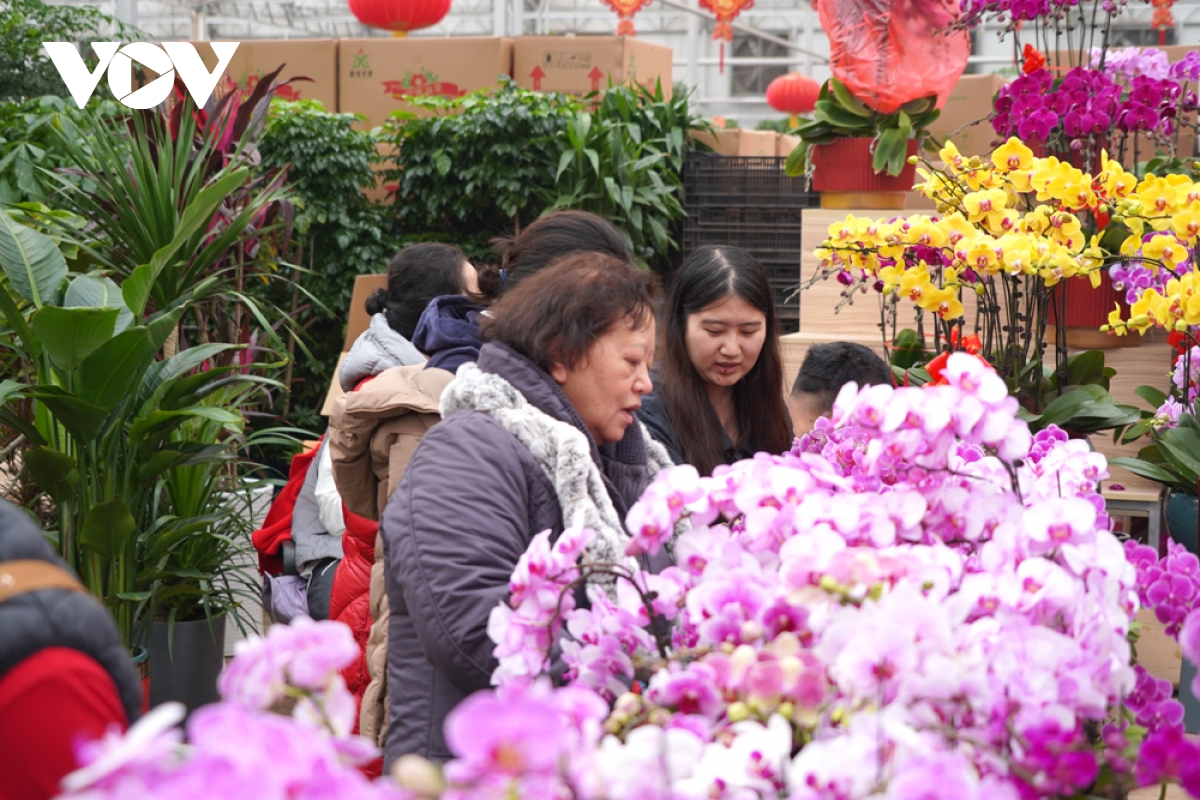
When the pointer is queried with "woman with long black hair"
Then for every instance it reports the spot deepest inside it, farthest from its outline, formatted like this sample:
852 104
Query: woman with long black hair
719 380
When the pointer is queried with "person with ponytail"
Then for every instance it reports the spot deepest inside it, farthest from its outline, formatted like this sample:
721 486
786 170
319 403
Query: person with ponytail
417 275
719 378
449 329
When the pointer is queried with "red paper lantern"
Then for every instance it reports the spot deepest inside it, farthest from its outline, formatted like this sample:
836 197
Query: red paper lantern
625 10
725 12
793 93
400 16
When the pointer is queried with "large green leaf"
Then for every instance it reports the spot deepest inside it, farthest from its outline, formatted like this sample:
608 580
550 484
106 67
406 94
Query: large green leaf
162 373
31 260
16 320
88 292
107 528
135 289
1085 365
1181 447
69 335
1145 469
1152 395
1063 408
53 470
156 420
82 420
116 368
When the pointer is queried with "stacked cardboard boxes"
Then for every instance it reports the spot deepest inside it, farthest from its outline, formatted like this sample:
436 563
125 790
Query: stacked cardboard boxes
583 64
379 76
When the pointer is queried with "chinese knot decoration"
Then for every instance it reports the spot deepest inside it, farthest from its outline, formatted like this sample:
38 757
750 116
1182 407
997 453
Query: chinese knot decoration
1162 18
400 16
725 12
625 10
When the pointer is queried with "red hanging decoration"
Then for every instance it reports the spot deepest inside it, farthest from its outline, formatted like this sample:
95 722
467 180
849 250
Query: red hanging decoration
793 94
400 16
725 12
625 11
1162 19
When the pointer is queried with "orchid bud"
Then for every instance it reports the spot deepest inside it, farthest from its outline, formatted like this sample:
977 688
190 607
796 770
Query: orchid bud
418 775
737 712
912 159
628 703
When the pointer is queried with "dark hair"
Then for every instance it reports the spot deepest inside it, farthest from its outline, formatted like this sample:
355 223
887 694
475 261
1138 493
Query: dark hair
706 277
558 314
545 242
829 367
415 276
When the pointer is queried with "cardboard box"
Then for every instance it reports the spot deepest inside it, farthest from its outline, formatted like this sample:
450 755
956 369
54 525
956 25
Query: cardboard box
737 142
583 64
786 144
311 58
969 101
376 76
357 322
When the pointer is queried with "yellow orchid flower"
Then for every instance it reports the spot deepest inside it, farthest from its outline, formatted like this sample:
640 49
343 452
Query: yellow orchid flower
1115 323
1166 249
1037 222
1186 222
891 277
914 283
1013 155
950 157
923 230
986 206
982 256
1066 229
846 231
1157 196
943 302
1017 250
1071 186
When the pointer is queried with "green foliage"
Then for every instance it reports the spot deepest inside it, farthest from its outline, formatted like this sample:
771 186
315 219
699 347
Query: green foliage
474 169
30 145
25 69
1083 404
490 162
907 350
111 425
624 161
339 234
776 125
840 114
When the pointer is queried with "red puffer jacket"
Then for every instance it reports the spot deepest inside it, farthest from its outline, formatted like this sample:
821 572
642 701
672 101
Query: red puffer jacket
349 599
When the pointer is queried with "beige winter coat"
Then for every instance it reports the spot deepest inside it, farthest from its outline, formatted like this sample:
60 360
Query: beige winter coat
373 434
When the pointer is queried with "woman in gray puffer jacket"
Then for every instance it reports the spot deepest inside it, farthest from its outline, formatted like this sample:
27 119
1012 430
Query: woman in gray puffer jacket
539 434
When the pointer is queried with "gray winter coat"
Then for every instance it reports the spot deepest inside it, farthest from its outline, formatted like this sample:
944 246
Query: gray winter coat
469 504
378 348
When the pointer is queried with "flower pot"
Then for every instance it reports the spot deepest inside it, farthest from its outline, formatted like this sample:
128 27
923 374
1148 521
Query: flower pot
1183 519
1087 309
842 169
141 665
187 661
1182 512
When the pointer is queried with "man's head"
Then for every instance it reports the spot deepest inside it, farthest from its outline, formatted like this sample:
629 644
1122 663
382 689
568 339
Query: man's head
826 369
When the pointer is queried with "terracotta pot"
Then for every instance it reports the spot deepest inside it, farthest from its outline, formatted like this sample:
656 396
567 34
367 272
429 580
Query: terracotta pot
844 165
